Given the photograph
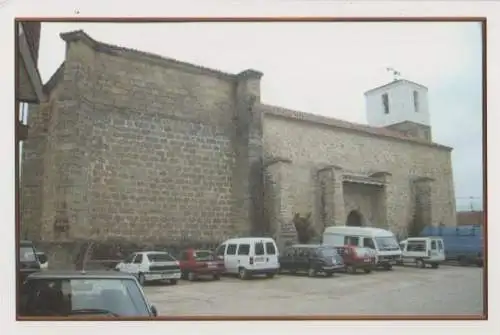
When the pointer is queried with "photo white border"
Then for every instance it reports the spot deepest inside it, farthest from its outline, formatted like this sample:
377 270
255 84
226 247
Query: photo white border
105 8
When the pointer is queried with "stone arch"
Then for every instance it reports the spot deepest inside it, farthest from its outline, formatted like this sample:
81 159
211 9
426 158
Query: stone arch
355 219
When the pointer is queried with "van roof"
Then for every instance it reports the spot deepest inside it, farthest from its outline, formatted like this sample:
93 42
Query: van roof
248 239
364 231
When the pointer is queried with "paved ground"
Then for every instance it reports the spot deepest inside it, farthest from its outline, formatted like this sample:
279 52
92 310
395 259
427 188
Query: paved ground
448 290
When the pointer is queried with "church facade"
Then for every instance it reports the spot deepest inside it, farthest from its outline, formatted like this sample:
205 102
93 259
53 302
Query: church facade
135 146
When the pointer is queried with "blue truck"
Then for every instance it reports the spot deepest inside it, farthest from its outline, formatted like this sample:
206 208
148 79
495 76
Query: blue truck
464 244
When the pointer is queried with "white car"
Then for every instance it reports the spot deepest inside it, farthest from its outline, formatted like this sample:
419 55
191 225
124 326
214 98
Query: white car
421 251
150 266
249 256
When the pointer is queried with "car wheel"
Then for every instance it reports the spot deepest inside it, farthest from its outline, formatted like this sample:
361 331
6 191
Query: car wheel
311 272
243 273
420 263
216 276
329 274
173 281
368 270
435 265
141 279
388 267
270 275
191 276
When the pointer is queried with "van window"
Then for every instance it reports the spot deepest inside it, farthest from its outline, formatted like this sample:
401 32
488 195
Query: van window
416 246
259 249
433 245
244 249
351 240
231 249
440 245
220 250
270 248
368 243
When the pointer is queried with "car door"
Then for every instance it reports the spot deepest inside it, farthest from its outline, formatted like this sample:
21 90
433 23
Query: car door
135 265
285 259
230 259
124 266
301 259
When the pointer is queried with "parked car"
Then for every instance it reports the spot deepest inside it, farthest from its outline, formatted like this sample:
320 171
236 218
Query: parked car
423 251
151 266
382 241
80 293
249 256
28 260
199 263
42 259
464 244
312 259
357 258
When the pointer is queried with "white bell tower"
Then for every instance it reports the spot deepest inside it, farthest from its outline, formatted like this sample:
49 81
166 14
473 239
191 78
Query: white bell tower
400 105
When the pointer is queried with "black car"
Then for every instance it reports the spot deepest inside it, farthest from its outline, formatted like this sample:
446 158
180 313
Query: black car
79 293
311 258
28 260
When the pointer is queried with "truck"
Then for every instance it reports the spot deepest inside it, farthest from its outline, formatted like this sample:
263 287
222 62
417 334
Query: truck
463 244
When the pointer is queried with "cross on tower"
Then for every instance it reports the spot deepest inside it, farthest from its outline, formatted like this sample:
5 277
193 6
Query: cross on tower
396 74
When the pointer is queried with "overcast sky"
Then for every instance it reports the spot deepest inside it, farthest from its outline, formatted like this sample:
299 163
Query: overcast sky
324 68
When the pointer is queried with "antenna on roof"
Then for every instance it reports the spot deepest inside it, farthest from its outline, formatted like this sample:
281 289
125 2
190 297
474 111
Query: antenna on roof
395 74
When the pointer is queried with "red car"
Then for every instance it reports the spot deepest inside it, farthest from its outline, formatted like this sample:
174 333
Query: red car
357 258
200 263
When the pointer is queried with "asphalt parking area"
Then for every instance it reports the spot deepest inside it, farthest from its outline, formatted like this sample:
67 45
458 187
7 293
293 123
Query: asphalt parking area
448 290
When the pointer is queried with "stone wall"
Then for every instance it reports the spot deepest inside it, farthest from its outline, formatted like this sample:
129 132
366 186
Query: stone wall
141 148
321 144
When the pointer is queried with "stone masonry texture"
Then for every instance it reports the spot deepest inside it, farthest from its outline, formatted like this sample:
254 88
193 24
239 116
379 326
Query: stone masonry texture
137 147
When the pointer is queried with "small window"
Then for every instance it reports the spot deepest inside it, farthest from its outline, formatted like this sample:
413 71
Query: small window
368 243
385 103
244 249
138 259
416 246
220 250
433 245
351 240
231 249
270 248
259 249
415 101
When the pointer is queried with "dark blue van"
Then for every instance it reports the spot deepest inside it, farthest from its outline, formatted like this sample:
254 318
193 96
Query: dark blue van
462 243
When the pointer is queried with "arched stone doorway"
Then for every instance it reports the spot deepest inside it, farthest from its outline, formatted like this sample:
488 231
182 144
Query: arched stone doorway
354 219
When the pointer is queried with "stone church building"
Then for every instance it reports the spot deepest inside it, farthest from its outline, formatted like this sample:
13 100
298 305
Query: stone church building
136 146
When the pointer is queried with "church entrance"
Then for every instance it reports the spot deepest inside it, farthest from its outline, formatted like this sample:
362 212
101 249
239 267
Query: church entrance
354 219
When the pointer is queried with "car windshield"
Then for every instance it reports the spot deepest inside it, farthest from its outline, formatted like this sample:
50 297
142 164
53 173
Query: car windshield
161 257
203 255
386 243
27 254
328 252
69 297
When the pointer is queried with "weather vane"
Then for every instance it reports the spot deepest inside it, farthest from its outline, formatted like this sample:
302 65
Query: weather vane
396 74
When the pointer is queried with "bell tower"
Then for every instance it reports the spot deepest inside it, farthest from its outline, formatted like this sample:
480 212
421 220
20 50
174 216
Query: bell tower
400 105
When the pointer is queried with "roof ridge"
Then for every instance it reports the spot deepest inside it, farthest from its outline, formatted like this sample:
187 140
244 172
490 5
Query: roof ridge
335 122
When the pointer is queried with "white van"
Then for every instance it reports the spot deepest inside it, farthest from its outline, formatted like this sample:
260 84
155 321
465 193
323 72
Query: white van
384 242
421 251
249 256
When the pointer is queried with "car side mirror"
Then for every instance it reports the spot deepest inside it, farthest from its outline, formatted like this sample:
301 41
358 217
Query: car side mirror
154 310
